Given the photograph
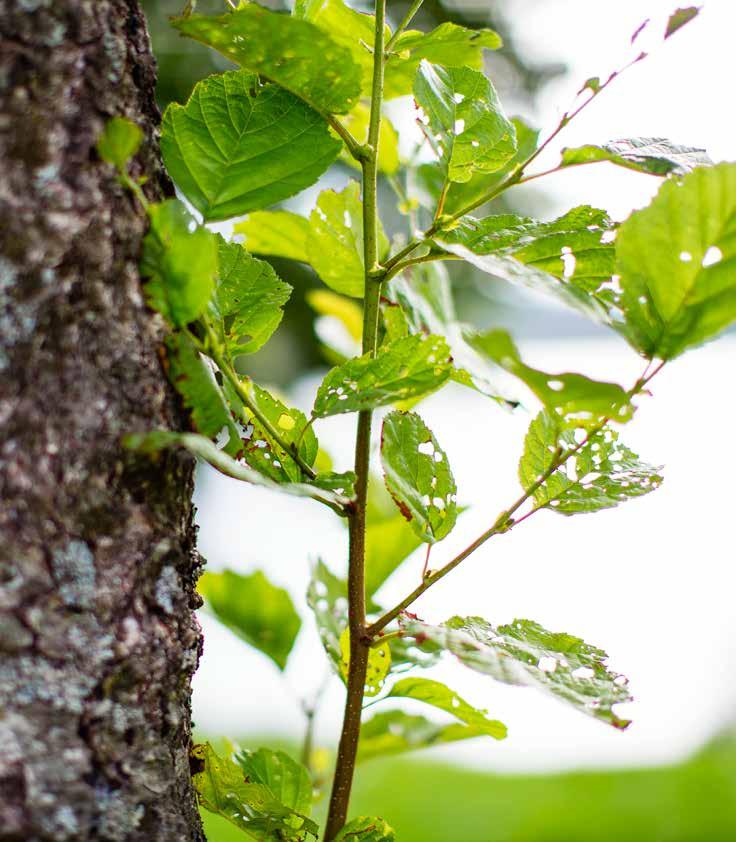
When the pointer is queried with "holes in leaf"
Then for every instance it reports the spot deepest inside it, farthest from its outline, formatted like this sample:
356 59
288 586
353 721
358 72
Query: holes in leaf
711 257
685 256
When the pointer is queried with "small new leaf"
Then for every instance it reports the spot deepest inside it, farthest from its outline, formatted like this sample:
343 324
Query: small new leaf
237 146
679 18
257 611
119 142
418 476
601 473
366 829
402 369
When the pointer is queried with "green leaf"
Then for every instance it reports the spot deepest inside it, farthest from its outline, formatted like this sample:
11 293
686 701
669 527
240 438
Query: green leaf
258 612
675 258
194 381
440 696
237 146
403 369
327 597
365 829
388 140
276 233
288 780
223 789
180 262
448 45
379 664
153 442
465 124
576 399
679 18
571 258
601 474
524 653
424 299
119 141
335 242
418 475
653 155
395 732
248 299
293 53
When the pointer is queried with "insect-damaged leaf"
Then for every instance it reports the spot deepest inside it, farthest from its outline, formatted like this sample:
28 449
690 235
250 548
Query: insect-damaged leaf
119 142
465 124
379 664
248 299
288 780
222 788
652 155
237 146
443 698
257 611
675 258
276 233
293 53
366 829
180 261
402 369
525 653
418 475
601 474
576 399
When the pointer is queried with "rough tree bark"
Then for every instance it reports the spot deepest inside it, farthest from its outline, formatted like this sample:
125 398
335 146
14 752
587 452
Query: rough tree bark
97 562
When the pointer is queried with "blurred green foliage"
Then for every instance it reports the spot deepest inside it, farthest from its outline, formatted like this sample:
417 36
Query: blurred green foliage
425 801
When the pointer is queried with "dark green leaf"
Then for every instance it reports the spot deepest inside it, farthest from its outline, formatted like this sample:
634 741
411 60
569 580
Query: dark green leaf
524 653
293 53
395 732
365 829
653 155
288 780
195 382
679 18
418 475
675 258
440 696
237 146
576 399
222 789
119 142
601 474
403 369
248 299
180 261
258 612
276 233
465 124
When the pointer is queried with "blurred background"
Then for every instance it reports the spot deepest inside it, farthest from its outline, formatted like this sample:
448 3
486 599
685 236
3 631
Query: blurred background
652 582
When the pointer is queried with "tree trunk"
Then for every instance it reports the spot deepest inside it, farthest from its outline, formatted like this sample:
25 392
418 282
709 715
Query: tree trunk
98 641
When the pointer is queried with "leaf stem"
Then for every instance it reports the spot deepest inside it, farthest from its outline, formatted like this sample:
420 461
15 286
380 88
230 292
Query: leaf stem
405 21
359 642
354 147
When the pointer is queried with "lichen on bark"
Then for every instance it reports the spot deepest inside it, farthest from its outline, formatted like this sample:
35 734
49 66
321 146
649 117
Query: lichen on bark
98 564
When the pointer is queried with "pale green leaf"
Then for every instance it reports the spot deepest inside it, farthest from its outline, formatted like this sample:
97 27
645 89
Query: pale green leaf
223 789
418 475
379 664
441 697
195 382
366 829
293 53
288 780
237 146
465 124
576 399
524 653
248 299
258 612
276 233
151 443
119 141
180 261
652 155
601 474
327 596
403 369
338 326
388 140
676 262
396 732
389 540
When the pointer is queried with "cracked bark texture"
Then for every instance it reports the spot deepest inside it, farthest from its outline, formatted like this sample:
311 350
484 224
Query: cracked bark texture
98 639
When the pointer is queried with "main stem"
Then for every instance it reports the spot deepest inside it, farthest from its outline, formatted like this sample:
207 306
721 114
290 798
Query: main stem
359 641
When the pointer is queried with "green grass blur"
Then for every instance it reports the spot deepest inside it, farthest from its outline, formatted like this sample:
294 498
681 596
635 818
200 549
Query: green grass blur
426 801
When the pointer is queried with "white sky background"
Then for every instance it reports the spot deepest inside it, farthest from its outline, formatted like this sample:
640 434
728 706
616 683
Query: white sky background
652 582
